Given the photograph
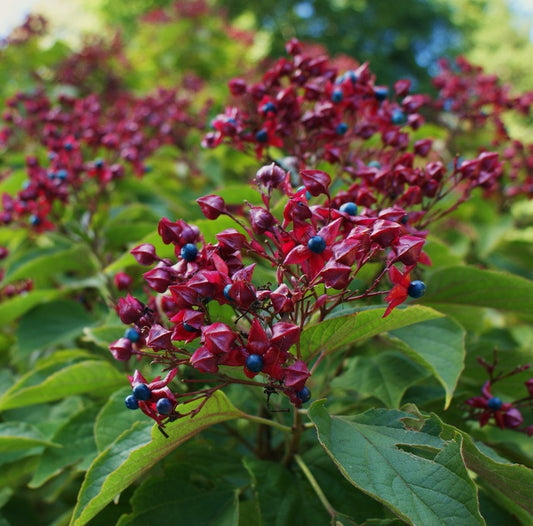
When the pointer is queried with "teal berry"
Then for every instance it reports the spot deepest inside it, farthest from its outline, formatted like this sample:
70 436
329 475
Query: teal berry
317 244
35 220
416 289
189 252
62 174
132 334
374 164
268 107
381 92
142 392
261 136
304 395
349 208
188 328
337 95
164 406
227 290
494 403
342 128
254 363
131 402
398 117
307 193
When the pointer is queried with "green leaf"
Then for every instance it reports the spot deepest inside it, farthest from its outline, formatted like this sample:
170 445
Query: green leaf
91 376
437 345
13 308
335 333
17 436
104 334
481 288
55 322
114 419
197 486
510 484
282 497
418 475
385 376
77 444
135 452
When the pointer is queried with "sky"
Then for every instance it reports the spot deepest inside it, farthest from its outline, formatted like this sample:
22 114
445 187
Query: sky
13 12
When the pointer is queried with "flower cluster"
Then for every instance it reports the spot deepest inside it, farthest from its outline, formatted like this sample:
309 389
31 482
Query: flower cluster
471 99
85 141
506 415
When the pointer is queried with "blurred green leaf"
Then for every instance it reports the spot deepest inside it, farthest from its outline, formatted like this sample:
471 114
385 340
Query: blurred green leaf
16 436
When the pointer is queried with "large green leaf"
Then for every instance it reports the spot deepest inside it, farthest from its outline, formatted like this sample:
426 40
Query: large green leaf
334 333
417 474
13 308
96 377
52 323
438 345
386 376
477 287
511 485
77 443
295 502
136 451
113 420
197 485
16 436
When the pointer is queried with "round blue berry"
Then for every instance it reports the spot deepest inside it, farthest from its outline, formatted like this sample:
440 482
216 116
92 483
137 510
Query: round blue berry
374 164
349 208
268 107
337 95
307 193
99 163
494 403
254 363
398 117
416 288
341 129
227 290
131 402
317 244
68 146
132 334
35 220
188 328
261 136
189 252
304 395
142 392
381 92
164 406
62 174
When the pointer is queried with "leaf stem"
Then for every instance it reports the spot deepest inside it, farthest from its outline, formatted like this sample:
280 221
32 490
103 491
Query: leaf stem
266 421
314 484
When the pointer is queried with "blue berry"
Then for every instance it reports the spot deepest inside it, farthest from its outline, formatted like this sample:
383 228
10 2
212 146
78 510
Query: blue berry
164 406
317 244
62 174
188 328
268 107
398 117
416 289
142 392
35 220
381 92
68 146
337 95
227 290
131 402
349 208
254 363
261 136
374 164
342 128
304 395
132 334
99 163
494 403
307 193
189 252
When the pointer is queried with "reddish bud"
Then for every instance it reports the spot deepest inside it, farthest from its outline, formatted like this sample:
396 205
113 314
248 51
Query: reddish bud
212 206
144 254
122 281
316 182
121 349
129 309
